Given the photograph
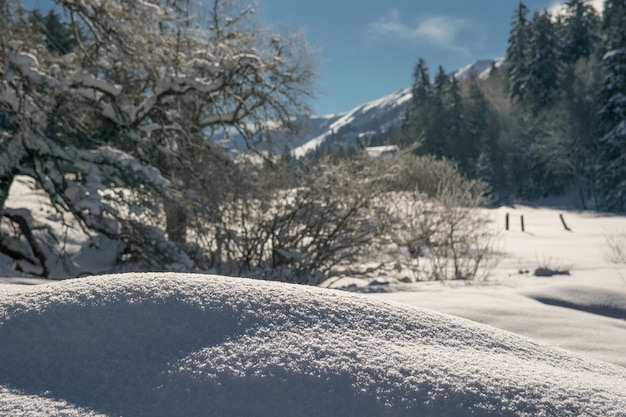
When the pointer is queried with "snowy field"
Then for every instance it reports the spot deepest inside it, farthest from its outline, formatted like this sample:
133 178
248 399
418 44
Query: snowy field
175 345
584 312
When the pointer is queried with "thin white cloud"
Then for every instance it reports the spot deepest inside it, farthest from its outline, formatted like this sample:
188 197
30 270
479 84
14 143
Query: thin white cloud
558 7
439 30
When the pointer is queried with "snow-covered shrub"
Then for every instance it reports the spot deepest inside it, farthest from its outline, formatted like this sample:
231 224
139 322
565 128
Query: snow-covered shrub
296 231
439 222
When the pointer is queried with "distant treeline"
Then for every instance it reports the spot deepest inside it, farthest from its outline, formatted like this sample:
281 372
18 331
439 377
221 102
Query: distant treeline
549 119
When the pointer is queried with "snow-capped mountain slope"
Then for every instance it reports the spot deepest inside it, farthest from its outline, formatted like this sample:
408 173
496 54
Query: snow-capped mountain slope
371 118
365 120
480 68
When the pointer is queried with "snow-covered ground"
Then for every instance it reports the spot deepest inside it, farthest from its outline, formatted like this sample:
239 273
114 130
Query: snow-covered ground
584 312
167 344
184 345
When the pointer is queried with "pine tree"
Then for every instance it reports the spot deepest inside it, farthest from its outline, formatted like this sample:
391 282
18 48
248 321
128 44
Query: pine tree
417 119
482 129
612 167
437 139
441 88
580 27
574 123
517 53
421 89
459 145
544 66
613 24
58 36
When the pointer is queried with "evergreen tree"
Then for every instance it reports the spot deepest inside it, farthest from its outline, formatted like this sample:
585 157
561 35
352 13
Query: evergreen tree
567 142
417 119
517 53
441 88
421 89
580 26
613 24
544 65
58 36
436 138
612 167
482 129
459 145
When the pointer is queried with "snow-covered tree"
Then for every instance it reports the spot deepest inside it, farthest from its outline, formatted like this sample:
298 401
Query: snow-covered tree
612 166
613 24
144 96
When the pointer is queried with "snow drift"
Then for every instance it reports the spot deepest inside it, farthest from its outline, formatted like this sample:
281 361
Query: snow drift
167 344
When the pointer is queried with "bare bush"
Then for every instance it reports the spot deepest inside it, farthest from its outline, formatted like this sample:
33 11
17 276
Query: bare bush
440 223
341 213
616 248
276 228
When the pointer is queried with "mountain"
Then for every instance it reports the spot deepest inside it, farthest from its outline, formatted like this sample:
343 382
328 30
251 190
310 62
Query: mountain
364 121
369 119
480 68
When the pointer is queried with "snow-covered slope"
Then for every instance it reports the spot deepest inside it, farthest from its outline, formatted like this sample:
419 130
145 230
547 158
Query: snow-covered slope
371 118
190 345
480 68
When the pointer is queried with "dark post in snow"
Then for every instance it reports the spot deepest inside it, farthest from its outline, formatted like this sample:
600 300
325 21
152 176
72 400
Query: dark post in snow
522 222
564 224
506 221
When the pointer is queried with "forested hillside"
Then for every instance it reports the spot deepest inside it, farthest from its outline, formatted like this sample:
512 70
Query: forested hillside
550 119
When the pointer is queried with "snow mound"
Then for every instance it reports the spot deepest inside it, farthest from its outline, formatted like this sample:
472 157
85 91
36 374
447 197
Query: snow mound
174 345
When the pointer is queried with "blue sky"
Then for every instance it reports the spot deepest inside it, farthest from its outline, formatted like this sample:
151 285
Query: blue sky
367 48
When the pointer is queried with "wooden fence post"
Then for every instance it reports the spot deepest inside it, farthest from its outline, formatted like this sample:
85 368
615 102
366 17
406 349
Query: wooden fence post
564 224
506 221
522 222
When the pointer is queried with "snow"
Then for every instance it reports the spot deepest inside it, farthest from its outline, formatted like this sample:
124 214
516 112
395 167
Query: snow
474 69
84 254
163 344
584 312
378 151
169 344
27 65
383 113
91 82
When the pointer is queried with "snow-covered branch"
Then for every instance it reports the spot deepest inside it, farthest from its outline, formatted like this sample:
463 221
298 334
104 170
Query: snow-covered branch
27 65
120 132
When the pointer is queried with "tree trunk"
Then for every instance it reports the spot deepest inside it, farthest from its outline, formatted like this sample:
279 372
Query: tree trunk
5 186
175 221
